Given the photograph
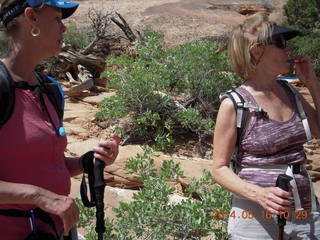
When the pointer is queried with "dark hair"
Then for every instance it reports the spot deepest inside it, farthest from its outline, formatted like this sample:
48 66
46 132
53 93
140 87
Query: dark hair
13 25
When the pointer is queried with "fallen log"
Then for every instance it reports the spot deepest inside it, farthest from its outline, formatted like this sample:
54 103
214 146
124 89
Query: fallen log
86 82
94 64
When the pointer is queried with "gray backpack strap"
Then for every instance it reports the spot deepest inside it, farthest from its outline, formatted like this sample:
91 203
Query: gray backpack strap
301 112
241 113
241 108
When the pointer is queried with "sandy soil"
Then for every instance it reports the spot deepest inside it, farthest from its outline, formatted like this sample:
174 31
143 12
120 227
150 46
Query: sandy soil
180 21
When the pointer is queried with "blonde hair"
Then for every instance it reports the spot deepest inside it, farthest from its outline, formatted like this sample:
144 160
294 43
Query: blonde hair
256 29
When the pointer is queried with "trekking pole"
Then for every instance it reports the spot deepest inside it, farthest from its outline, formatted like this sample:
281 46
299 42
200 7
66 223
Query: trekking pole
283 183
99 186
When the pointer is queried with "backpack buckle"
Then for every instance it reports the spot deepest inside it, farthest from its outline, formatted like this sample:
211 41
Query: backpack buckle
296 168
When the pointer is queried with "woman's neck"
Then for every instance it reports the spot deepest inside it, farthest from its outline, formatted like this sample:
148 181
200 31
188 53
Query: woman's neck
21 68
262 81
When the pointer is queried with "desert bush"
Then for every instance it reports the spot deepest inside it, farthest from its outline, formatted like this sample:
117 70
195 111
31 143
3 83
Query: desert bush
77 37
164 89
308 45
303 15
150 216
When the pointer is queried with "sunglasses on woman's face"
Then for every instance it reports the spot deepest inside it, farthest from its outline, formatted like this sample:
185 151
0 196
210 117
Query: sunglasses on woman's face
279 42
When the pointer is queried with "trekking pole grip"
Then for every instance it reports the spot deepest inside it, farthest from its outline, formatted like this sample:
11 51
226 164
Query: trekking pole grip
282 182
98 173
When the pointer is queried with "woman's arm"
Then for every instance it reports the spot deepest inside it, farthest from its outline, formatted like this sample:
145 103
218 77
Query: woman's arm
306 74
74 165
16 193
106 151
62 206
272 199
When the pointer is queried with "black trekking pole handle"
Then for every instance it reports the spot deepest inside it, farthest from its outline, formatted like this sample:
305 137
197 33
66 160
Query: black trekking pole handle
283 183
99 186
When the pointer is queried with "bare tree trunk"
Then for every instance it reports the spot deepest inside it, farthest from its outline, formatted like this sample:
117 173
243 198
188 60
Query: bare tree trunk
125 28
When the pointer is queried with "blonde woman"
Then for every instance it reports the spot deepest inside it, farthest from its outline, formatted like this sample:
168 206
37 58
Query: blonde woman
272 139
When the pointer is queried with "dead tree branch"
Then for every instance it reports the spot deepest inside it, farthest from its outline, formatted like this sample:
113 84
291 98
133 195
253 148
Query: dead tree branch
100 20
124 27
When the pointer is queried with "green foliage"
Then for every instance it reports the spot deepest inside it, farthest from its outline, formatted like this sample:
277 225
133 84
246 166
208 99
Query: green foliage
142 165
164 141
167 91
151 47
151 216
309 46
77 37
196 68
303 14
113 108
192 119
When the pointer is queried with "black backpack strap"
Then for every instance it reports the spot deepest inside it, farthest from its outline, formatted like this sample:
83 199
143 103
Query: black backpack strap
53 91
7 94
87 163
37 212
299 107
55 94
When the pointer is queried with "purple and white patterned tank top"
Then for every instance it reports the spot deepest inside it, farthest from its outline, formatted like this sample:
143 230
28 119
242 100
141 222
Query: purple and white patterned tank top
267 142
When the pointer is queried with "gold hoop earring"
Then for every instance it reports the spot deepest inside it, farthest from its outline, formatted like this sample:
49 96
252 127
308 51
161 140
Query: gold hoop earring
35 32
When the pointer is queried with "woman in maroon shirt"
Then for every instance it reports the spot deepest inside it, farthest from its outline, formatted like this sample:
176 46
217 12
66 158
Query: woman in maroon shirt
34 172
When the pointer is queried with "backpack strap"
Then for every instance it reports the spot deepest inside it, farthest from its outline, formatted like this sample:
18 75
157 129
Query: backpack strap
55 94
241 110
299 107
7 94
32 213
241 118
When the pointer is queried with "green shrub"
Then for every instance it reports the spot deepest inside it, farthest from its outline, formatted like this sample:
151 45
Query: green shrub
150 216
113 107
303 14
192 119
163 89
77 37
310 46
150 47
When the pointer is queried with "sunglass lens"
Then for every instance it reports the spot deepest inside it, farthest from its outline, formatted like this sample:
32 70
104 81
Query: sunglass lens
281 43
